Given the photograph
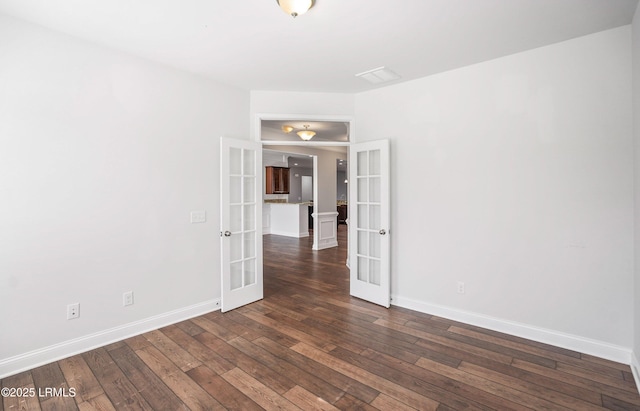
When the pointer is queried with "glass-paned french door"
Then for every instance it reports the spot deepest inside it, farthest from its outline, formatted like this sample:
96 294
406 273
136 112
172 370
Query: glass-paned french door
241 222
369 229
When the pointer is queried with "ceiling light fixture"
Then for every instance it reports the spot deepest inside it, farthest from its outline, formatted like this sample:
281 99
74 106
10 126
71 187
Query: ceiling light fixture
306 134
294 8
287 129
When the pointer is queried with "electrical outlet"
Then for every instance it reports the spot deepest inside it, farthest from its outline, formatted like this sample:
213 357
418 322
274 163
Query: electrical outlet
127 298
73 311
460 287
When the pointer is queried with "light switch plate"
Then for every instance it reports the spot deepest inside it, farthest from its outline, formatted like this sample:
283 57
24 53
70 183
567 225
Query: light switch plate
198 216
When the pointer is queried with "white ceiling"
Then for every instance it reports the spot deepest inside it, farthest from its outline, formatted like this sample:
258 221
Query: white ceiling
254 45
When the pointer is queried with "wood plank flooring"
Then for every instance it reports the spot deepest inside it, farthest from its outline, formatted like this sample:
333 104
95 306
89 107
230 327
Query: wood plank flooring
308 345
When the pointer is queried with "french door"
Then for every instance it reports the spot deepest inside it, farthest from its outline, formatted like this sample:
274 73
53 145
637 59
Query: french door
369 221
241 222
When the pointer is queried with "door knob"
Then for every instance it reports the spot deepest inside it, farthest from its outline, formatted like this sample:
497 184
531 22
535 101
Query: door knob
382 232
227 233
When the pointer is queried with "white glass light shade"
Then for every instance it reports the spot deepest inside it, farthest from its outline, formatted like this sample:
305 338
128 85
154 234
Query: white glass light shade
306 135
295 8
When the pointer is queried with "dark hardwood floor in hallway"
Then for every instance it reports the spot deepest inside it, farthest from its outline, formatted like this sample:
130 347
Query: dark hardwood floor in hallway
309 345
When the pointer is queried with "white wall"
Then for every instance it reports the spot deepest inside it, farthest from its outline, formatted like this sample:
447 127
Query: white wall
515 176
636 134
295 186
102 158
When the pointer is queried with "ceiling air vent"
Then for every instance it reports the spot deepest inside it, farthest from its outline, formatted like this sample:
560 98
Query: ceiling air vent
378 75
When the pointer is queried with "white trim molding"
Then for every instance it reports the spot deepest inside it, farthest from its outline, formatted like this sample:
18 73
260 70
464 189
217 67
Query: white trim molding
13 365
571 342
635 370
325 230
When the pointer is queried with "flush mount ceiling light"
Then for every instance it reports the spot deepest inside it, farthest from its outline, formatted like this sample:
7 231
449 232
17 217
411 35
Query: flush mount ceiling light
306 134
294 8
287 129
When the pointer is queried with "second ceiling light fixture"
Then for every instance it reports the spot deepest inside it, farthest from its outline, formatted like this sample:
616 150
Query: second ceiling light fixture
305 134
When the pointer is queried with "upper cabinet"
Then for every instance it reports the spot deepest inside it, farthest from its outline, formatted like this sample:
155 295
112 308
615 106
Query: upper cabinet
277 180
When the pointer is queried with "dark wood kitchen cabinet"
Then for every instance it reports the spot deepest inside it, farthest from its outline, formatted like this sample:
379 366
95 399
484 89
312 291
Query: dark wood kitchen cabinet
277 180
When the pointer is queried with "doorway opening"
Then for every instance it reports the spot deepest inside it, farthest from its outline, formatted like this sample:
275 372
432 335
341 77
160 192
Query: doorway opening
311 174
319 178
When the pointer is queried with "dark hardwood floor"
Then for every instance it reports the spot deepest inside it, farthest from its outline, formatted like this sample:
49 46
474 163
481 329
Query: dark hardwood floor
309 345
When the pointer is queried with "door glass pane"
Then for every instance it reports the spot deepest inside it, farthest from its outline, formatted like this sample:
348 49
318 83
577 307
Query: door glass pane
362 190
235 190
374 272
374 244
374 162
249 189
374 189
250 245
363 246
363 268
374 217
235 161
235 218
363 216
362 163
250 272
236 275
249 217
235 247
249 163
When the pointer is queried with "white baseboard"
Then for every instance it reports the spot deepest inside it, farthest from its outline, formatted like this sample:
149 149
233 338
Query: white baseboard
324 245
13 365
635 369
571 342
294 234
